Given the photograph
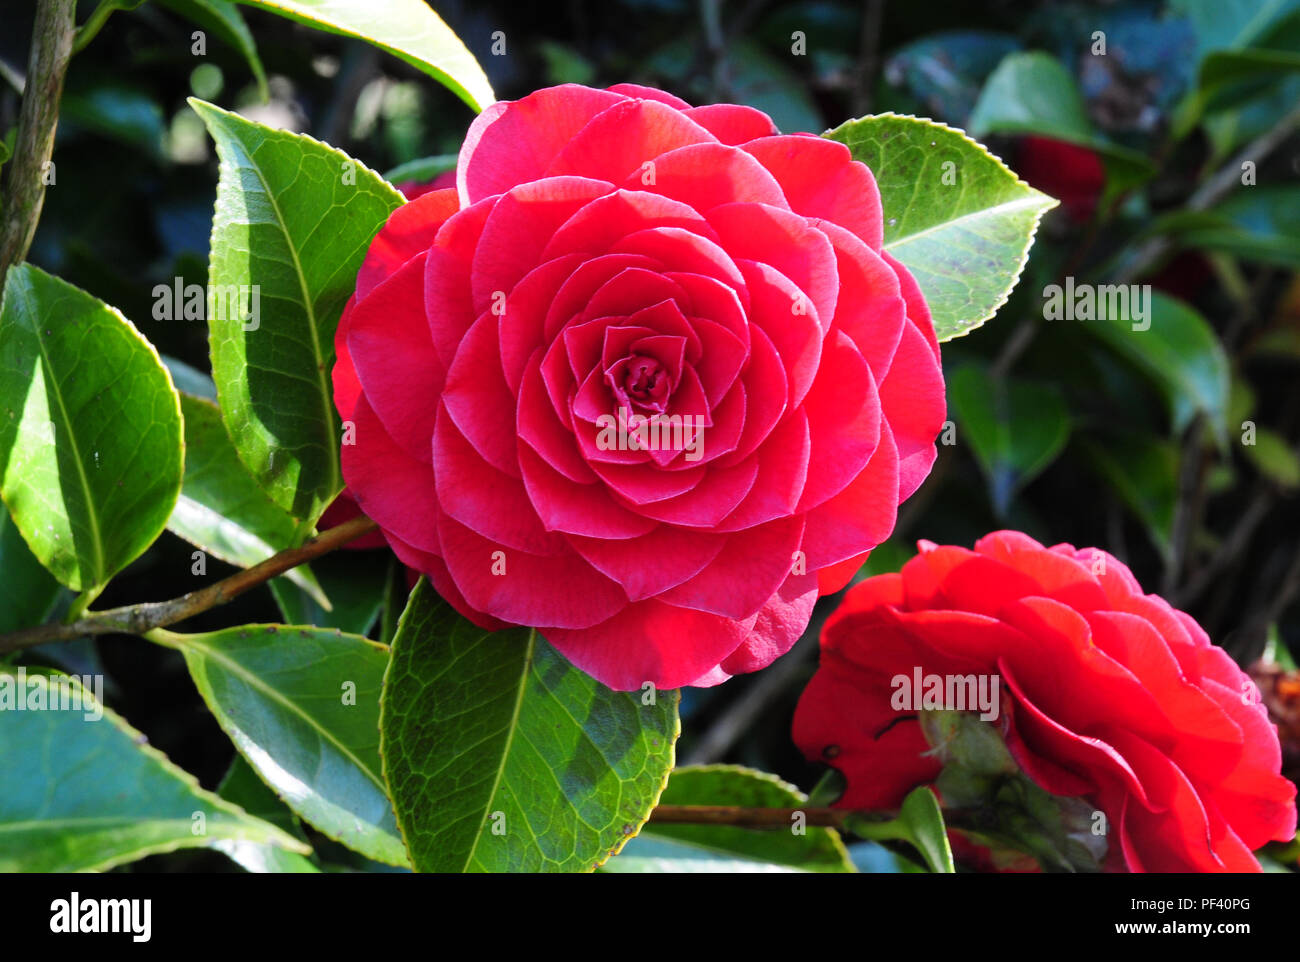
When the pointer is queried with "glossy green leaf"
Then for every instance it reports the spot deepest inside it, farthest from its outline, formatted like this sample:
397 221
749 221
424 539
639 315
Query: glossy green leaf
501 756
919 823
221 509
923 818
27 591
302 706
243 787
90 430
353 582
223 18
408 29
293 220
663 847
954 214
1033 93
1179 350
84 794
1015 428
1274 458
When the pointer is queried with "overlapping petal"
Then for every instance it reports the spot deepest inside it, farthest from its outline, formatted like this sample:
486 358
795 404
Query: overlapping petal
1108 694
644 380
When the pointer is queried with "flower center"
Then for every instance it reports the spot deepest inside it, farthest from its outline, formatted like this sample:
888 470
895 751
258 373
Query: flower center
644 381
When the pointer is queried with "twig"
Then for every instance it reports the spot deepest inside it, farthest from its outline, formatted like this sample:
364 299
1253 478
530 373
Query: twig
740 716
1231 548
869 59
1213 190
1187 508
711 14
857 821
24 187
138 619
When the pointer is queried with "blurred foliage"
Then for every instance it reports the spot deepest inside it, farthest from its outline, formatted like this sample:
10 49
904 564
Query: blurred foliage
1173 447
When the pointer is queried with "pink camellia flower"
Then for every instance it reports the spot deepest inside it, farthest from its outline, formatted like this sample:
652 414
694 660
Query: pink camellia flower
644 380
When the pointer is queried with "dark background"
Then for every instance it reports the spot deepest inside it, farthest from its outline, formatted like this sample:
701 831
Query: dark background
1215 531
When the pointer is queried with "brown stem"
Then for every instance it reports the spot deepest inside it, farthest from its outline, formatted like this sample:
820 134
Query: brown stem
137 619
1213 190
24 186
742 817
869 57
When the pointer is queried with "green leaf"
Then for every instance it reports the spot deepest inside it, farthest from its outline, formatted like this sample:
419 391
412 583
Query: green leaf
1015 428
408 29
1179 350
288 226
242 787
354 584
302 705
1274 458
221 509
1243 46
85 795
919 823
501 756
924 822
1232 24
223 18
1240 69
962 228
90 430
664 847
1033 93
124 113
27 592
1257 224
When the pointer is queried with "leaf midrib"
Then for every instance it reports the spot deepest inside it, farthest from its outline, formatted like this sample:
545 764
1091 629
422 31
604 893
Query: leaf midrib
1029 201
92 515
505 752
324 394
236 668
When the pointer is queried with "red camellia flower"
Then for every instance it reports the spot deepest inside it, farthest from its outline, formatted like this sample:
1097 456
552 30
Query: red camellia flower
644 380
1107 694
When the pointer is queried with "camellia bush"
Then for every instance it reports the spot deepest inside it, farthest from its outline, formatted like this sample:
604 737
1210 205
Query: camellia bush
403 521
